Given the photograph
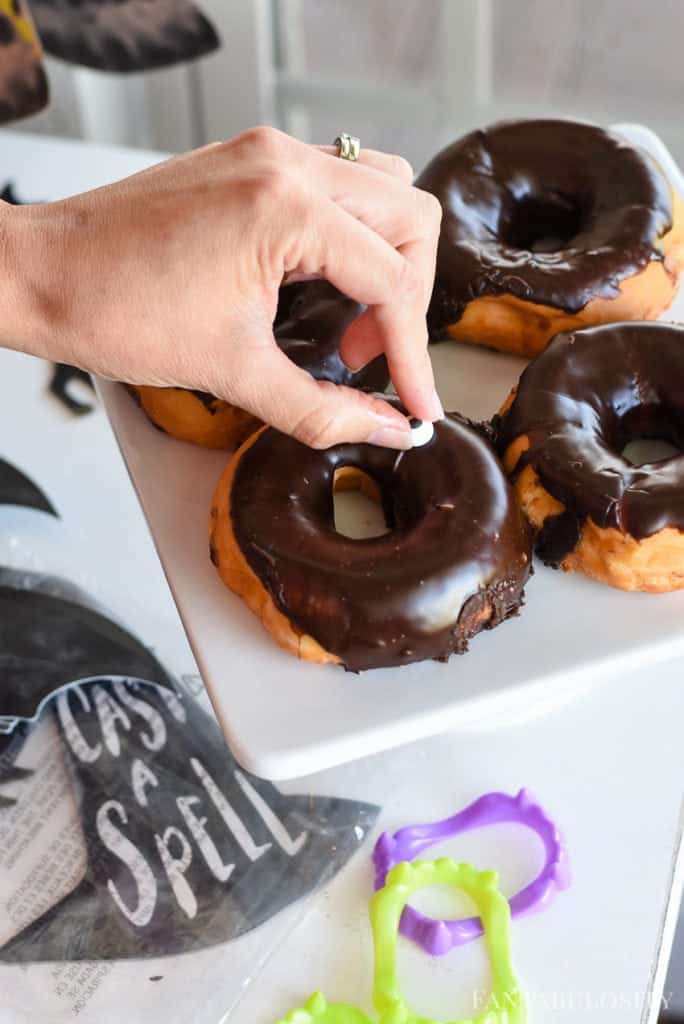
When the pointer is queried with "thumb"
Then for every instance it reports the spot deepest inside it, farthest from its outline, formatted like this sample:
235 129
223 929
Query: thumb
318 413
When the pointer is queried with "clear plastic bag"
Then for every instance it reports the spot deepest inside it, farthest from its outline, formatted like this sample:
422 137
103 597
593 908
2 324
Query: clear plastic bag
129 833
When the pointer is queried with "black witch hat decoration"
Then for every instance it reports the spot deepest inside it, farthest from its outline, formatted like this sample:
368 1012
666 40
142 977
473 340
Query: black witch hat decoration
184 849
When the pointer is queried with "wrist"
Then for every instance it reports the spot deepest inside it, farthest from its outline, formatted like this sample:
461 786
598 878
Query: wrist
29 292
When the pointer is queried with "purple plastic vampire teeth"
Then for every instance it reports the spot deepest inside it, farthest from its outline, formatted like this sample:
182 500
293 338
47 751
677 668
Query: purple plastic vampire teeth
438 937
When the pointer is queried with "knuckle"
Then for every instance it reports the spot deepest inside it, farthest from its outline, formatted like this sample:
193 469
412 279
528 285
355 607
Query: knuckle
267 142
315 432
400 167
407 277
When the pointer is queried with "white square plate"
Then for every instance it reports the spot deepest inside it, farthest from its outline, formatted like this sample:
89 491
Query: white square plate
285 718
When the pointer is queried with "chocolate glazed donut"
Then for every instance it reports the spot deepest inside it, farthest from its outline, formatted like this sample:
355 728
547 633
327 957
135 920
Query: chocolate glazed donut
549 226
562 435
311 319
455 559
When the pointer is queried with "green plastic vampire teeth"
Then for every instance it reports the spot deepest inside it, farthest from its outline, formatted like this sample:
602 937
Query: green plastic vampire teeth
505 1004
319 1011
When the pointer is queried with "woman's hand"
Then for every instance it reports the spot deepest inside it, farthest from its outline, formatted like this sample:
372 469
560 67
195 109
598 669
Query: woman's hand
171 277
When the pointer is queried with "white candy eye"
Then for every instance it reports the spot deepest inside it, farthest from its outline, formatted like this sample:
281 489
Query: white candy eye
422 431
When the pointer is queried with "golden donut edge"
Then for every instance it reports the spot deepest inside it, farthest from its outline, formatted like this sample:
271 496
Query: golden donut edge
181 414
239 577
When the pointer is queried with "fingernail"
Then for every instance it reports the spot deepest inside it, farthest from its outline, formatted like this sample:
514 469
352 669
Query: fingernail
390 437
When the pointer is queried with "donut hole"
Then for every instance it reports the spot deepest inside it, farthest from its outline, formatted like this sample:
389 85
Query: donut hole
542 223
357 503
648 434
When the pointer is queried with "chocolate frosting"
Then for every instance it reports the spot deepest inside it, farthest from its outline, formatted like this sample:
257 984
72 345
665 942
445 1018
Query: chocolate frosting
552 212
580 402
455 561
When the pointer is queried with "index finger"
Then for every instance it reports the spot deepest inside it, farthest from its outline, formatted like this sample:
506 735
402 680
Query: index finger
398 329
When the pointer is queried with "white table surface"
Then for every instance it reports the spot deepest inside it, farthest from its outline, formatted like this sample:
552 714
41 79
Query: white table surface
607 763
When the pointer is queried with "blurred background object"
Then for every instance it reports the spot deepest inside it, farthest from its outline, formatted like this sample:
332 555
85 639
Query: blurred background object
106 35
409 76
23 84
123 35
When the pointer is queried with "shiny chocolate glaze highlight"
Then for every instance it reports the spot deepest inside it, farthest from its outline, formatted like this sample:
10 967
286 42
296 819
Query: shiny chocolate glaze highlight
580 402
553 212
455 561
